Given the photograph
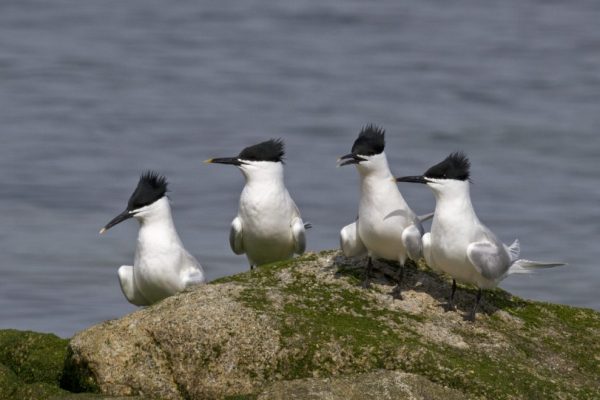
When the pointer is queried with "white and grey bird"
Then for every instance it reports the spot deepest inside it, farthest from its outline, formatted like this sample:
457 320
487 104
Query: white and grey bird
459 244
386 227
268 226
162 266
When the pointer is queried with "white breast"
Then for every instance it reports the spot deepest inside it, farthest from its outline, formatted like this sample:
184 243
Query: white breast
383 215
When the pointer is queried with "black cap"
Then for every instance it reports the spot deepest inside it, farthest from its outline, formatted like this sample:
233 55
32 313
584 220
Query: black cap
455 166
371 141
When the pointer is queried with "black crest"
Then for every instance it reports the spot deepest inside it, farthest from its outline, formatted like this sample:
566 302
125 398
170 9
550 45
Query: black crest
271 150
151 187
371 141
455 166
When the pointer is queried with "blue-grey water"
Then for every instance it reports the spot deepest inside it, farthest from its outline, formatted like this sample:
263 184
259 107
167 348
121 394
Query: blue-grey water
92 93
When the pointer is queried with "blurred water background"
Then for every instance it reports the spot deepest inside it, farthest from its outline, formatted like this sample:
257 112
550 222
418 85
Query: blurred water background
92 93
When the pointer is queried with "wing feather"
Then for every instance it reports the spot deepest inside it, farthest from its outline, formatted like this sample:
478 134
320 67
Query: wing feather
411 239
235 236
350 242
299 234
491 261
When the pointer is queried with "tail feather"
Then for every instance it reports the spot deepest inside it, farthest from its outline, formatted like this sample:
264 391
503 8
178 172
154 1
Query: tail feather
523 266
514 250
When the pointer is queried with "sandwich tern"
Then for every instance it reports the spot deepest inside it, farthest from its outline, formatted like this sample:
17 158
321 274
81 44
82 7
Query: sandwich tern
386 227
268 226
459 244
162 266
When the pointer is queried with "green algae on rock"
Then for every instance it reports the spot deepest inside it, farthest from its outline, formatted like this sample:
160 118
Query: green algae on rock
31 367
308 318
33 357
381 385
8 383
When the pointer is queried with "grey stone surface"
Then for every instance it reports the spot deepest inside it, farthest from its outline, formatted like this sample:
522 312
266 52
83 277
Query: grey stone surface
310 319
380 385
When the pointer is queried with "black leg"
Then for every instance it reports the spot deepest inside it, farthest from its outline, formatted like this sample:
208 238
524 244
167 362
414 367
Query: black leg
450 306
251 267
397 292
366 282
471 315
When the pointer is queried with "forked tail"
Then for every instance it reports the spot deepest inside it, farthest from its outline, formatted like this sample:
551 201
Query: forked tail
523 266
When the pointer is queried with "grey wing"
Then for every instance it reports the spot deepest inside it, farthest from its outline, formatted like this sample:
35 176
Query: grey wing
193 273
235 236
490 260
299 234
426 240
298 229
350 242
412 241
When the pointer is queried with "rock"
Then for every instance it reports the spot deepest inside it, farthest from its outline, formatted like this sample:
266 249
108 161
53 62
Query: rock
381 385
8 383
31 364
33 357
37 391
308 319
31 367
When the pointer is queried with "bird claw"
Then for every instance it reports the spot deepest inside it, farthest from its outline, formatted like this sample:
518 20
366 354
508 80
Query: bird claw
397 293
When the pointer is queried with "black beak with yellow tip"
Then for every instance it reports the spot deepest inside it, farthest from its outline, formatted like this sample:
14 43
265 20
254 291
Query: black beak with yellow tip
150 188
125 215
350 159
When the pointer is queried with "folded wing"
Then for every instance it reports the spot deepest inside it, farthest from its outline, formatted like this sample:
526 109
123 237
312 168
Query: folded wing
299 235
235 236
350 242
411 239
490 260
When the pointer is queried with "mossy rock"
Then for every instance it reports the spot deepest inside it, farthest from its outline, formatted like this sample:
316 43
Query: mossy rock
380 385
31 367
33 357
309 318
38 391
8 383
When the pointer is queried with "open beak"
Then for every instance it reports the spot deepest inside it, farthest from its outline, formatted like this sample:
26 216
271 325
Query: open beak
125 215
349 159
413 179
225 160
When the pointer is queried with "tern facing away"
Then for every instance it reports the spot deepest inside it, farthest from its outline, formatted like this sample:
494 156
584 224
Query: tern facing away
459 244
162 266
386 227
268 226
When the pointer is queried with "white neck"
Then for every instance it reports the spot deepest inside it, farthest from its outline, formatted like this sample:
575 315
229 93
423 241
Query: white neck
156 224
263 172
376 167
377 183
453 198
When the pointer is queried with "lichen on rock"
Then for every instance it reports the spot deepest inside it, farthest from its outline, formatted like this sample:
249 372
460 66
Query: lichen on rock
381 385
31 367
308 318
